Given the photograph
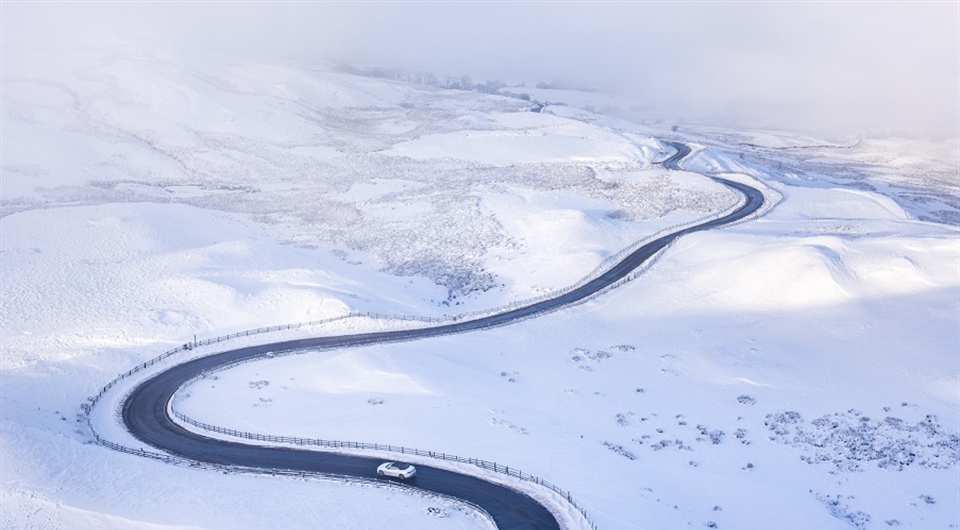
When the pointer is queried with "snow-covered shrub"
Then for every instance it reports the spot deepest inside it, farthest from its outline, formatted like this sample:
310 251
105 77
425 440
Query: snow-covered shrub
847 440
842 511
620 450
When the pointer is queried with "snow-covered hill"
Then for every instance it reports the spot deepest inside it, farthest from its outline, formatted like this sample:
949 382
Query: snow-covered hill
797 371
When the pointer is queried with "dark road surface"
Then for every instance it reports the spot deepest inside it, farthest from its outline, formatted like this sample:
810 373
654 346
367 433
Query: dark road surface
145 410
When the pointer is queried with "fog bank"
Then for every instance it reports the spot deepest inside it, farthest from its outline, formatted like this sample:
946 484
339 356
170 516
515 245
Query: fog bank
832 67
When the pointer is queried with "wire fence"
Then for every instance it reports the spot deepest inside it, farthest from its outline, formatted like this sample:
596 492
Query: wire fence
176 460
337 444
605 265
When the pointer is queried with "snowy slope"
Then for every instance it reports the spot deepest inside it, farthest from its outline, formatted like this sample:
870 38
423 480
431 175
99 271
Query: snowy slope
148 197
694 387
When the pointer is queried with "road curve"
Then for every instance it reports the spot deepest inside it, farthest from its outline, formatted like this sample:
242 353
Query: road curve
145 410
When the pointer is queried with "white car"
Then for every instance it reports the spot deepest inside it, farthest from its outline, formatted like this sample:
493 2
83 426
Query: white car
397 469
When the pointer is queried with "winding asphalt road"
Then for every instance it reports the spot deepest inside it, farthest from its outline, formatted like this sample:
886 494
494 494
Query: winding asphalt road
145 410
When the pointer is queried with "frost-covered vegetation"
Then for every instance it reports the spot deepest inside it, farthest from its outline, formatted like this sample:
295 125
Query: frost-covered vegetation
318 163
850 439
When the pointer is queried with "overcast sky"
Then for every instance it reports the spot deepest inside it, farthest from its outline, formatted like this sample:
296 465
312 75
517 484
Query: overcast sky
837 67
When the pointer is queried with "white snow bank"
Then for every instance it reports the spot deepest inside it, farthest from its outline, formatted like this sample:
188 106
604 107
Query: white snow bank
837 203
80 279
525 138
559 236
824 270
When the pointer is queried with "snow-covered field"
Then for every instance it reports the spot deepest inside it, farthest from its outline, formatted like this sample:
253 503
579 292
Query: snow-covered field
796 371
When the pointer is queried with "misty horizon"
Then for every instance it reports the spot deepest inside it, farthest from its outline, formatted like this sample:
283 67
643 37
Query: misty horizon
864 68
